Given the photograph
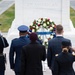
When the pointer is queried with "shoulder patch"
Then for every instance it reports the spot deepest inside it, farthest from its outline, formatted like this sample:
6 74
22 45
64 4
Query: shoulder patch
56 55
73 53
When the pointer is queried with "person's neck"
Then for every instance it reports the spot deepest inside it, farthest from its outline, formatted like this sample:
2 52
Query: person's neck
22 35
59 35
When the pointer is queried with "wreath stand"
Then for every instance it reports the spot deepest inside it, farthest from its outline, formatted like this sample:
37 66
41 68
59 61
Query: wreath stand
43 36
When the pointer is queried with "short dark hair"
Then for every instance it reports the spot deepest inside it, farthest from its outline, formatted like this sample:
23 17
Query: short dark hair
33 36
59 29
23 31
66 43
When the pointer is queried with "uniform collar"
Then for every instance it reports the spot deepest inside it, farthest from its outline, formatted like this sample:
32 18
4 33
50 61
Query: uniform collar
22 36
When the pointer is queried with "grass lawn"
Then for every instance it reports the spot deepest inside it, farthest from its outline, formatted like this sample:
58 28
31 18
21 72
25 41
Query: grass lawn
7 17
72 16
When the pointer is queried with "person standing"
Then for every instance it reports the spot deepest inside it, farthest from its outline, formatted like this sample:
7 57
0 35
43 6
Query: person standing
15 49
32 56
3 44
54 46
63 64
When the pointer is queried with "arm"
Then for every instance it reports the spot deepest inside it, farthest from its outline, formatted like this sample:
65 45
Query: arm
6 43
49 56
56 67
23 62
11 56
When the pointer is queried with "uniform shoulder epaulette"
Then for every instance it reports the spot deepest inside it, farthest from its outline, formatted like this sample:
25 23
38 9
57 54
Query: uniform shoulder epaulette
73 53
56 55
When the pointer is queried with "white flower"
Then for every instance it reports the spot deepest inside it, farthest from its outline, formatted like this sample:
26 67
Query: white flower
33 30
39 20
51 36
44 24
31 24
52 25
44 19
37 27
47 22
45 40
51 28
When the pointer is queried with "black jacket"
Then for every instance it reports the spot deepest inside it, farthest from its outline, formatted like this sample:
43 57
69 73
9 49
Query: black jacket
63 64
54 47
31 60
3 44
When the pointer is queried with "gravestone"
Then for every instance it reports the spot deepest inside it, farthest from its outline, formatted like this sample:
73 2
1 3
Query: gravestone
28 10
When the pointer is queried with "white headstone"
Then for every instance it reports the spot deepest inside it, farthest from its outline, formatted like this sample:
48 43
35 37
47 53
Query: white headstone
28 10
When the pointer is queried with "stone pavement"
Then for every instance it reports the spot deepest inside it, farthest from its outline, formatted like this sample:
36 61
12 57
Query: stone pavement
4 5
72 3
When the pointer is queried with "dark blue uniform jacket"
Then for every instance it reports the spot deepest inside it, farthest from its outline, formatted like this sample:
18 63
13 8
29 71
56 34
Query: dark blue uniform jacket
15 52
63 64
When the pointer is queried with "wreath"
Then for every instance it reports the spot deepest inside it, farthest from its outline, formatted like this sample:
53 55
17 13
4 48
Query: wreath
46 24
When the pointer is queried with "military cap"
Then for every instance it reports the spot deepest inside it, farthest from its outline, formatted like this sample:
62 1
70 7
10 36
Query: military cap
23 28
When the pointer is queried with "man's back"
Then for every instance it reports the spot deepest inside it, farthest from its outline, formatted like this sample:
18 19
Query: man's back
65 64
54 47
16 47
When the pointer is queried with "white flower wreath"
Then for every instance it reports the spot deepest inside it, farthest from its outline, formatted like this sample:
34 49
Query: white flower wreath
45 23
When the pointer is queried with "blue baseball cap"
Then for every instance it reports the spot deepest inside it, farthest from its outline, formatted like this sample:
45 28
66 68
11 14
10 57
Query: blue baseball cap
23 28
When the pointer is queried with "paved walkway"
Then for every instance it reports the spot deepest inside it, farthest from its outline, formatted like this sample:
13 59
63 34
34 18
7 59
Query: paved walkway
4 5
72 3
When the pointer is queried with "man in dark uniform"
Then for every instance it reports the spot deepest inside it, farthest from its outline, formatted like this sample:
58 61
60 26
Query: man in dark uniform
3 44
15 48
32 56
63 64
54 46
